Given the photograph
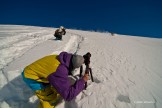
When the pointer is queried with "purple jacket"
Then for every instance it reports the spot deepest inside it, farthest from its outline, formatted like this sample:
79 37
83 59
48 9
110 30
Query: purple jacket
59 79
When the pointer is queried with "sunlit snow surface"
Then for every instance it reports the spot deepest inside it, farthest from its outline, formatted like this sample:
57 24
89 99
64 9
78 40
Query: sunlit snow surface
127 70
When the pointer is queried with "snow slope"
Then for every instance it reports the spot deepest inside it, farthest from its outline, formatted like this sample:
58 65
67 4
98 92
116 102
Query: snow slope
127 70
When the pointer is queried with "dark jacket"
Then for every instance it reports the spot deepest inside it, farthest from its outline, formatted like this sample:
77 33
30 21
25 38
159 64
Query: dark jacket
59 33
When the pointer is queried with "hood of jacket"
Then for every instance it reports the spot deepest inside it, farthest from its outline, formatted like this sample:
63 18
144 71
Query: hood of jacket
65 58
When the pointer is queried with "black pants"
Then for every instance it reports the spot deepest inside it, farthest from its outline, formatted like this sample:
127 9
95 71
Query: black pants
58 37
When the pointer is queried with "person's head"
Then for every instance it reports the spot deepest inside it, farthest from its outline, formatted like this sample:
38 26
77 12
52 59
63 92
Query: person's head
76 62
61 27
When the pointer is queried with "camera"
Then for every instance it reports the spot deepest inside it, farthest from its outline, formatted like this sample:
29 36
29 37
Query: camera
87 58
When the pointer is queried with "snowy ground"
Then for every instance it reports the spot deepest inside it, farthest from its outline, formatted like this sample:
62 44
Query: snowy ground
127 70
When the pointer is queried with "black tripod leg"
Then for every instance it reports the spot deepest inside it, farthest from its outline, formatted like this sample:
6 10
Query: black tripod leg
81 70
85 85
91 74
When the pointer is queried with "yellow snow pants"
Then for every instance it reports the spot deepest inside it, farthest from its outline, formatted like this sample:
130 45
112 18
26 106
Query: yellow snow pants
48 97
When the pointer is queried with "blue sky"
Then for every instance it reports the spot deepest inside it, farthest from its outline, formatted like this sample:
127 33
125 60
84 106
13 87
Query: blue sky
131 17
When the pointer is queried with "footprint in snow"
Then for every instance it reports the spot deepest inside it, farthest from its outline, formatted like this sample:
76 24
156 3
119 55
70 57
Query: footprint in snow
123 98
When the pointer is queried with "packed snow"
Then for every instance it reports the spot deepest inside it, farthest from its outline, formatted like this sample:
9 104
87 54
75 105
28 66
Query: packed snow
127 70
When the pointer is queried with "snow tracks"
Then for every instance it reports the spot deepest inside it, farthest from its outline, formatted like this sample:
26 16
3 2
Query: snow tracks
72 45
14 92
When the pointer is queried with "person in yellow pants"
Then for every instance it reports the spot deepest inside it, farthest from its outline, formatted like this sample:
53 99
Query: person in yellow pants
48 78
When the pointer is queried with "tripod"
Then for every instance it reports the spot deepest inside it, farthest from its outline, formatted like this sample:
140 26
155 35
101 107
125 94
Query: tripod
88 69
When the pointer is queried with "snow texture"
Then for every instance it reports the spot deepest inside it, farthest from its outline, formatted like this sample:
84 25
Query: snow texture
127 70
